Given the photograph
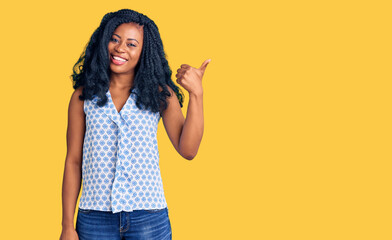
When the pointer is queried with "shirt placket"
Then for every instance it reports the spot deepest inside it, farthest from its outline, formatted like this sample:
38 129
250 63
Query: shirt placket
119 190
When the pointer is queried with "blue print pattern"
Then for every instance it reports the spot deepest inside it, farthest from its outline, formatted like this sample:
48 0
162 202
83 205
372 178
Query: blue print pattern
120 168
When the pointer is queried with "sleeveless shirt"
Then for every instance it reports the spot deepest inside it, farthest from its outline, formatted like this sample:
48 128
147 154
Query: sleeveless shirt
120 167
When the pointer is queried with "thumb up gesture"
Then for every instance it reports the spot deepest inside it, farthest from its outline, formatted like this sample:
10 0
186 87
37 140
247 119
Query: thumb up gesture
190 78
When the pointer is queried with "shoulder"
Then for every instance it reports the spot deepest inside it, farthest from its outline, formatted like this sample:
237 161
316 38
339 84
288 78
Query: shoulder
173 96
169 88
78 91
75 104
172 101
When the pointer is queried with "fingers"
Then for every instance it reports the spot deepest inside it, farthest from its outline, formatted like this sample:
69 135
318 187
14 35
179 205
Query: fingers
181 71
179 78
185 66
204 65
179 75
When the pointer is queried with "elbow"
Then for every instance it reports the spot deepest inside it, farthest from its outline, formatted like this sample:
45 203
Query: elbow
188 156
188 153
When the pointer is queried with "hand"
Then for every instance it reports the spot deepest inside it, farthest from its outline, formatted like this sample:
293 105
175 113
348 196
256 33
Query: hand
69 234
190 78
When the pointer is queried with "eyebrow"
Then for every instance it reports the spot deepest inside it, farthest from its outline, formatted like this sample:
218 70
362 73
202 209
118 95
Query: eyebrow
128 38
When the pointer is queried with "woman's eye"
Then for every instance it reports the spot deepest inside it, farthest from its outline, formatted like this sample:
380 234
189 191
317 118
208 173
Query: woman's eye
132 44
113 39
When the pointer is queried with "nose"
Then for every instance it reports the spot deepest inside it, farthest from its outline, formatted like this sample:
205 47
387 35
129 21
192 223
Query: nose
119 47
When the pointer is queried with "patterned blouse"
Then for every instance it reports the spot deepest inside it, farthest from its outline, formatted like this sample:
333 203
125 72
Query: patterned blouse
120 168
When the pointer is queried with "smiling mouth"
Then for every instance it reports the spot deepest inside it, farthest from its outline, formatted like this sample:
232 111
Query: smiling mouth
117 60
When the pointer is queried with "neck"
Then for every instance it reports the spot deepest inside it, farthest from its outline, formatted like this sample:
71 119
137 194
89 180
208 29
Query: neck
121 81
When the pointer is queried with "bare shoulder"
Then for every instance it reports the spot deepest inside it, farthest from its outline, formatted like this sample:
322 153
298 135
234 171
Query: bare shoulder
76 128
170 90
75 104
77 92
172 101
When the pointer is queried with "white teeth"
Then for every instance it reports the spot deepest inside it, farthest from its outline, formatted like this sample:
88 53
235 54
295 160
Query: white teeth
119 59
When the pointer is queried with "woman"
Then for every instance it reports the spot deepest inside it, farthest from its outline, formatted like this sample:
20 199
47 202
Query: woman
123 88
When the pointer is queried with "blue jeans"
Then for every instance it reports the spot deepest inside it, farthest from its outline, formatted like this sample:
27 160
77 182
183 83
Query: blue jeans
151 224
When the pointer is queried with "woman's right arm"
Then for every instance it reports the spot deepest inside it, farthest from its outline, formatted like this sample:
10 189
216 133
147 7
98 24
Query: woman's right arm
72 178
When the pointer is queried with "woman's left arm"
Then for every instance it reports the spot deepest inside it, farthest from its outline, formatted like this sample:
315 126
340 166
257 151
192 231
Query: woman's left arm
186 134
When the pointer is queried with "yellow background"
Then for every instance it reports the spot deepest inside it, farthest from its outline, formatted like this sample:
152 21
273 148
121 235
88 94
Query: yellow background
297 104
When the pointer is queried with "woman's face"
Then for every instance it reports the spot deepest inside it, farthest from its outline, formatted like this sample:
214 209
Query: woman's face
125 48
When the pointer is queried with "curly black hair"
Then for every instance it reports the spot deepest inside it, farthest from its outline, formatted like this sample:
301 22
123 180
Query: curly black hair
92 70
